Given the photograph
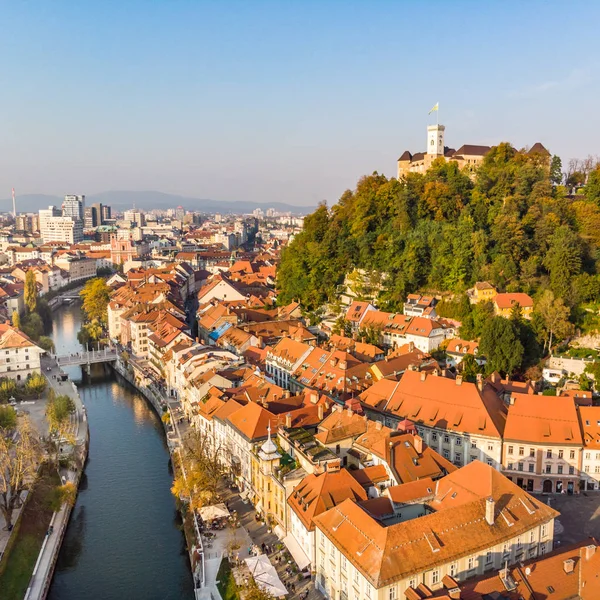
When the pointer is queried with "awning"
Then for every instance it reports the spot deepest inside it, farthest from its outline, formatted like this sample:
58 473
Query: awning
296 551
245 494
217 511
265 575
279 532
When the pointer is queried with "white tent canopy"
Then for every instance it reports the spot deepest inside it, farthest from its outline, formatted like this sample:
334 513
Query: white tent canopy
217 511
265 575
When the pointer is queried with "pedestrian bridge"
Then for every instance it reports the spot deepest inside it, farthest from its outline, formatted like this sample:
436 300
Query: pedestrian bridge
89 357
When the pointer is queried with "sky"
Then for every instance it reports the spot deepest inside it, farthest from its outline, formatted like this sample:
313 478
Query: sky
281 101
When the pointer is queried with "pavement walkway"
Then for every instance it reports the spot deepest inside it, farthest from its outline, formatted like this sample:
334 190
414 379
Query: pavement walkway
41 577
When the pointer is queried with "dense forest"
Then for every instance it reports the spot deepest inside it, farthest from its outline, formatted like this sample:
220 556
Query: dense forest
513 225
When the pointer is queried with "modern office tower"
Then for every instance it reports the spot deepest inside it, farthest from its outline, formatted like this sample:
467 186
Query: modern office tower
106 213
135 218
73 206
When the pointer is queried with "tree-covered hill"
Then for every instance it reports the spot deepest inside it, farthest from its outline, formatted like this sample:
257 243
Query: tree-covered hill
512 225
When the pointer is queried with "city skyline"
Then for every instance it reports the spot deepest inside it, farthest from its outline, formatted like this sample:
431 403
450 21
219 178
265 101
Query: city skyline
280 104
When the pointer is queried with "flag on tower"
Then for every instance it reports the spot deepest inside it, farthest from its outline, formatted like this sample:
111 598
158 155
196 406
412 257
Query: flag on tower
435 108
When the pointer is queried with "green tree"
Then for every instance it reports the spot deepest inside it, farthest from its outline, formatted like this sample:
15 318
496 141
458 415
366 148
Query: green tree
592 187
33 326
96 296
563 260
46 343
501 346
58 414
16 319
469 368
8 418
31 292
556 174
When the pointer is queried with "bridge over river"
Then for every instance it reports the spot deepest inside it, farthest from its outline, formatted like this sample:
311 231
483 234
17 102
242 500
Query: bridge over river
88 357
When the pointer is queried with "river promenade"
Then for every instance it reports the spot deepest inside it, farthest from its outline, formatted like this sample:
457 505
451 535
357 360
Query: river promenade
44 568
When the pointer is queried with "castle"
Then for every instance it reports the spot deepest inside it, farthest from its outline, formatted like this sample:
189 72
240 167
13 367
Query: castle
467 155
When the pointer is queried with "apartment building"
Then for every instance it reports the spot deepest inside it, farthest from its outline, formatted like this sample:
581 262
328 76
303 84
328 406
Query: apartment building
284 358
462 421
589 418
542 443
472 521
19 356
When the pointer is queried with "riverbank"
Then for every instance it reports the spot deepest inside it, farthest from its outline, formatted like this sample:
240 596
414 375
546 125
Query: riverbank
134 374
43 571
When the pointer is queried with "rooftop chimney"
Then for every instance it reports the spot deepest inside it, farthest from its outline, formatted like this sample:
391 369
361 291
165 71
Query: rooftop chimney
569 565
454 593
459 380
423 375
411 346
378 425
320 412
418 444
589 551
480 382
349 411
288 420
490 509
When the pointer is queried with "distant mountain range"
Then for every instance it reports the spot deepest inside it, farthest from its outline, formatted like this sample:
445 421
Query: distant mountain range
149 200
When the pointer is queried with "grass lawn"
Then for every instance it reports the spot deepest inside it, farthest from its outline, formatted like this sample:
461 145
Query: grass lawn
226 583
34 524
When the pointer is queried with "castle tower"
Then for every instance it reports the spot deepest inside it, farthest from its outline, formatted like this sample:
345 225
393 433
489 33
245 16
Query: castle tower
435 140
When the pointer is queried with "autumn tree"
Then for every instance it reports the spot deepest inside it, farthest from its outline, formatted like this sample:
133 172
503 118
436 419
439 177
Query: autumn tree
19 458
202 461
96 296
8 389
31 292
253 591
553 317
35 384
8 418
58 414
16 319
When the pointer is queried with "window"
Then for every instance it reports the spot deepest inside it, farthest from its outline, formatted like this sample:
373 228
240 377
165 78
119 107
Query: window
548 468
459 441
393 593
489 558
446 454
473 444
435 577
586 468
434 436
510 449
560 454
519 543
571 470
596 469
322 539
471 563
560 469
453 570
521 451
344 563
356 575
367 590
457 457
572 454
548 453
532 452
506 549
531 536
531 467
446 439
588 455
542 549
520 466
412 583
510 466
490 448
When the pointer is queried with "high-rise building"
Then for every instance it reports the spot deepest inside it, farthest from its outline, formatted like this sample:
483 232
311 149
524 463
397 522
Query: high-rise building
106 213
46 213
92 216
179 213
62 229
135 218
98 213
29 223
73 206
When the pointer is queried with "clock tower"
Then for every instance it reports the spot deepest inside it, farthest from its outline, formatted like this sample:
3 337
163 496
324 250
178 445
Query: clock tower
435 140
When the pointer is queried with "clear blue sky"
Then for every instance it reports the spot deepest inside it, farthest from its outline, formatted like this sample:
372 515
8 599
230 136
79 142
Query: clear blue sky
280 101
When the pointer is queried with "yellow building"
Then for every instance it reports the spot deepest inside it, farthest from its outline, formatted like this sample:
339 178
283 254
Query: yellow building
482 291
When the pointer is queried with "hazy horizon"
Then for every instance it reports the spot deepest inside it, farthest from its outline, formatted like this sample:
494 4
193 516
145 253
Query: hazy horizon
266 102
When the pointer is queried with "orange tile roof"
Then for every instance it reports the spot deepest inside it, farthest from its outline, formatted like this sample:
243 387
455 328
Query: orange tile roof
542 420
318 493
462 346
509 300
440 402
454 529
340 425
289 350
589 417
252 421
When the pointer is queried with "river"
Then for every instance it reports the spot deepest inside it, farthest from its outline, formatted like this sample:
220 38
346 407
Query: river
124 539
